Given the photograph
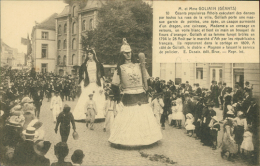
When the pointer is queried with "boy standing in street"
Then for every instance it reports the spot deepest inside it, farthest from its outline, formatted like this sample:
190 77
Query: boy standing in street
110 108
157 105
90 111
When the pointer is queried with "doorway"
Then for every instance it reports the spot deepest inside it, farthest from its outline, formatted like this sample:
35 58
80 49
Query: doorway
238 77
216 74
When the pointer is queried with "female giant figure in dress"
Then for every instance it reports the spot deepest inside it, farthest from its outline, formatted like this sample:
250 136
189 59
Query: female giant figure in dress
135 124
91 75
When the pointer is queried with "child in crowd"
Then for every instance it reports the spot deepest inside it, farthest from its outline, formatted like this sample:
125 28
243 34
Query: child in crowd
172 116
157 106
179 113
189 124
240 126
77 157
109 111
90 111
247 144
214 128
61 150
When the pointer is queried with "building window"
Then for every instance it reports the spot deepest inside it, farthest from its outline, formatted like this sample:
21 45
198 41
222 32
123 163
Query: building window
220 75
65 28
163 71
91 24
59 29
74 44
74 11
74 28
58 60
59 44
45 35
73 59
214 75
44 67
61 72
199 73
44 50
83 25
64 60
65 44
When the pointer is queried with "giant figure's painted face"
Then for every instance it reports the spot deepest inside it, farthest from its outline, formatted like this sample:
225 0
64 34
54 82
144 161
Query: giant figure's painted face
90 56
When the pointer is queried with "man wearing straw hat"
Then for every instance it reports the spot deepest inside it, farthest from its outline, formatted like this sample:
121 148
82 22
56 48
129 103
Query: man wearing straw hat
24 153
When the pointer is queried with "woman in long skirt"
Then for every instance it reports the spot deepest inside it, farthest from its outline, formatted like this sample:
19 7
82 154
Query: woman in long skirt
91 80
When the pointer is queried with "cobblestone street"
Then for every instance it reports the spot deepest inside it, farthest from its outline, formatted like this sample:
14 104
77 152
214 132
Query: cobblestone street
175 145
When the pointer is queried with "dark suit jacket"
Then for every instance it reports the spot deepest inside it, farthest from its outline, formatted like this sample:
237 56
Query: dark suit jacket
199 91
223 91
187 107
246 103
38 99
167 96
197 111
172 88
24 154
188 88
238 95
252 115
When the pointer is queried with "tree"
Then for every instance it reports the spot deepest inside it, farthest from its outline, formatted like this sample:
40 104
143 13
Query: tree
132 20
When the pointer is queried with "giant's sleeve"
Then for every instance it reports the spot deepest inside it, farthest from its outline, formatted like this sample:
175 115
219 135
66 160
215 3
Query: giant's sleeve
116 79
81 72
115 86
147 74
102 72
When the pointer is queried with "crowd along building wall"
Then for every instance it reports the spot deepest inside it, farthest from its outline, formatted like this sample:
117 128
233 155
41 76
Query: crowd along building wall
205 73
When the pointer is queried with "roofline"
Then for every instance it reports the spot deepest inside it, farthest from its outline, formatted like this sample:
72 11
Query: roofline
86 10
45 29
81 11
65 15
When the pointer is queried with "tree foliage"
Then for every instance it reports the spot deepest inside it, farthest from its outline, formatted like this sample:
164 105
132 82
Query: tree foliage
132 20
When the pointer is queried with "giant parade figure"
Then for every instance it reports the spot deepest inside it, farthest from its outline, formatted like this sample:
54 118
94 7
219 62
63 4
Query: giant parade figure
135 124
91 75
